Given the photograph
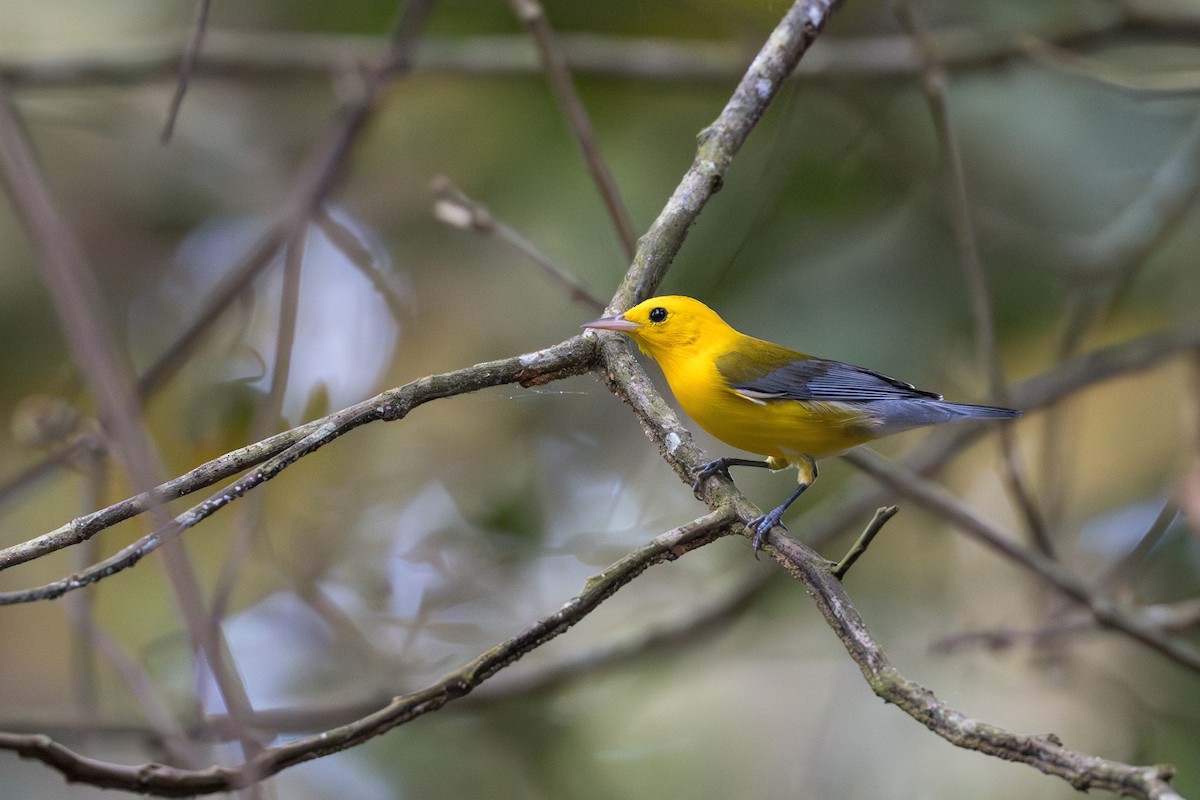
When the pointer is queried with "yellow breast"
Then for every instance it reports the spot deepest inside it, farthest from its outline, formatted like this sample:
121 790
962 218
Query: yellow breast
781 428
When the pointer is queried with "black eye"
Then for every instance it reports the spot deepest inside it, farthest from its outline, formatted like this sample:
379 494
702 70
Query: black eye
658 314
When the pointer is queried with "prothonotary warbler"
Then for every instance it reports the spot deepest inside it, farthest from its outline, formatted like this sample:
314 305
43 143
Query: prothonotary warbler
762 397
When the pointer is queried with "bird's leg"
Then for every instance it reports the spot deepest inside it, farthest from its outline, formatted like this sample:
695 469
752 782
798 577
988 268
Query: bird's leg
762 525
721 467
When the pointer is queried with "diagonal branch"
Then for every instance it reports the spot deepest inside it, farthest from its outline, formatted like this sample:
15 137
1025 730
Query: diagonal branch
187 65
1043 752
315 182
554 64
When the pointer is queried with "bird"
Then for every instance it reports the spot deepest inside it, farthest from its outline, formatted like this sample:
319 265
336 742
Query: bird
765 398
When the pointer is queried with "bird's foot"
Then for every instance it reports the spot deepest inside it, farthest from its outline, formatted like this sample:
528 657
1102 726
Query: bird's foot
763 525
706 471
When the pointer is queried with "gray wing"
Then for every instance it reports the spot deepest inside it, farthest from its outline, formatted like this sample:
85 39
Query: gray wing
814 379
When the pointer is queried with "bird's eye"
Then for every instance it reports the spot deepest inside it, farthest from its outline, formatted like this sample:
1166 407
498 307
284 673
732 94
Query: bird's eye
658 314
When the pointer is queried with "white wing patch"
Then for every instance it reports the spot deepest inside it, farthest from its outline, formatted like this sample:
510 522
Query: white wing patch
758 398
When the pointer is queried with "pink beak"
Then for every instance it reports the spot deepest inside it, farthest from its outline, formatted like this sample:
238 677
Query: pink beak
617 323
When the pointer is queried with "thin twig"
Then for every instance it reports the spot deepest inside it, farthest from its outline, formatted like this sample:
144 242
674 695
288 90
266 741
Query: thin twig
554 64
187 64
864 540
453 207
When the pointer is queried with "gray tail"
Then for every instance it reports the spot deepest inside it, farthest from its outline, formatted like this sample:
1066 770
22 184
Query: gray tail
980 412
894 416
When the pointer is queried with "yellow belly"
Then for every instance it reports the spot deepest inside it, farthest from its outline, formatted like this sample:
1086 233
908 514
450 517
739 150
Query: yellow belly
784 429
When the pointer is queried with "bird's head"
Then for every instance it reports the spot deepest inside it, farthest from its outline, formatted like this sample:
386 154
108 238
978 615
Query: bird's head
666 327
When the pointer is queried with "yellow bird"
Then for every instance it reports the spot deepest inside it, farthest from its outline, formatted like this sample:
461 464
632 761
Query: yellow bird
762 397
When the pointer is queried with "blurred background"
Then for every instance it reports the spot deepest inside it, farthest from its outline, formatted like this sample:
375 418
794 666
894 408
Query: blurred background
401 551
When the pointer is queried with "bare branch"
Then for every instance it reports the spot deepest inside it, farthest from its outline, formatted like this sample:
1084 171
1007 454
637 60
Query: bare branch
268 55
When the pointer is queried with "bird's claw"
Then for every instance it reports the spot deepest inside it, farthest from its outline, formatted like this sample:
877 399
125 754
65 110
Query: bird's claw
762 526
706 471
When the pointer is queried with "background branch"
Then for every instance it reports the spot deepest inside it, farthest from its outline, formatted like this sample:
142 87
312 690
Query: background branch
271 55
554 65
